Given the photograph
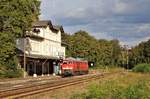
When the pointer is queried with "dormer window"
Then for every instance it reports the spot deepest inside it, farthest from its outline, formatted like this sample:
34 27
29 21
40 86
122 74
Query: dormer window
36 30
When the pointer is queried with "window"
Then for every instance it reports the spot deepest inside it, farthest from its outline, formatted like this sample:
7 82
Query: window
35 46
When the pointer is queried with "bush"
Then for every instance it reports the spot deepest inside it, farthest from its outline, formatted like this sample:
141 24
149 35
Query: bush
9 69
2 71
143 68
11 73
105 90
139 90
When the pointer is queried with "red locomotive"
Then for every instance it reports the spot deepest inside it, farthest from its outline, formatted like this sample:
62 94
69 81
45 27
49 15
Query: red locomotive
73 67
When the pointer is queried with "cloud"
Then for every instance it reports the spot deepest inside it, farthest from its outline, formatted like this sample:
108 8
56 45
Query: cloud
126 20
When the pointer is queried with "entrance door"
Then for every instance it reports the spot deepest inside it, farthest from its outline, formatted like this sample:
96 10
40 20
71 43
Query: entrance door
30 68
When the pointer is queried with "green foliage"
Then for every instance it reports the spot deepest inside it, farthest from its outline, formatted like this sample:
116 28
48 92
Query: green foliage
82 45
139 90
16 17
143 68
104 52
11 73
7 46
114 90
141 53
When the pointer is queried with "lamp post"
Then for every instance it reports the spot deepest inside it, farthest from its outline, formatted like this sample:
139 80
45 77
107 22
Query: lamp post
26 34
24 56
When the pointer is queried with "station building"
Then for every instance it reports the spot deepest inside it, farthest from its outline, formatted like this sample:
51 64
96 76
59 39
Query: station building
43 48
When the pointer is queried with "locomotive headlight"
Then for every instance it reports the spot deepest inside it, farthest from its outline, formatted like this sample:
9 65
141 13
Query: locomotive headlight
67 68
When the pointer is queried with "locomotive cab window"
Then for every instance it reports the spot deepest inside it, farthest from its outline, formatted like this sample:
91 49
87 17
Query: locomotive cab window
64 62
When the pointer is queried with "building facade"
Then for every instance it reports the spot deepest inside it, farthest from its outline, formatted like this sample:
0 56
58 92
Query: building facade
42 46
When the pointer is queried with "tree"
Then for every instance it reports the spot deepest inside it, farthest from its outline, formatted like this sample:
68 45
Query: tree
146 51
116 51
102 52
16 17
140 53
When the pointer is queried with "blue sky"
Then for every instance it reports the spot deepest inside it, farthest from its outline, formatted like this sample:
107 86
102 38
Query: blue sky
125 20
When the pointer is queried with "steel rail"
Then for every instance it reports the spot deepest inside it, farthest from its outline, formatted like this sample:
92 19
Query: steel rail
38 82
40 88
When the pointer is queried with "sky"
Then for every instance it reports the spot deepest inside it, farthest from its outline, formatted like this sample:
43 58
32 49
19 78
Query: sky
125 20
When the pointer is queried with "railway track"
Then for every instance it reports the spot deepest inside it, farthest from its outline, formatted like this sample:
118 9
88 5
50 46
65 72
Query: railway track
24 91
9 85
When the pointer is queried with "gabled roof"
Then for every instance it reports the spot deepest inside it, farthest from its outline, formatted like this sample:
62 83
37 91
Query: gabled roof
45 23
42 23
58 27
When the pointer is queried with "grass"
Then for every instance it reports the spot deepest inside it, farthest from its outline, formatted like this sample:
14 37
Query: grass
107 69
130 86
143 68
124 85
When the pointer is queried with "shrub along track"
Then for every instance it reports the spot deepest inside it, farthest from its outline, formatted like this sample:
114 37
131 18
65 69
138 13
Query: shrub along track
28 90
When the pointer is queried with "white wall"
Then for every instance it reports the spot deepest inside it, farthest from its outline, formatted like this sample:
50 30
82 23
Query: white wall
52 36
49 46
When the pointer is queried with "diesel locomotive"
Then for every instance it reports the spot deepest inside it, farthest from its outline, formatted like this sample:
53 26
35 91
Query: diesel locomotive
73 67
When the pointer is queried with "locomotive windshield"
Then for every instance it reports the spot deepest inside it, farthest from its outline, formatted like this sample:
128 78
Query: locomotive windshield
64 62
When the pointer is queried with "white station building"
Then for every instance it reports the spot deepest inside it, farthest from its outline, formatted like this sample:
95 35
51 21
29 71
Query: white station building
42 46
